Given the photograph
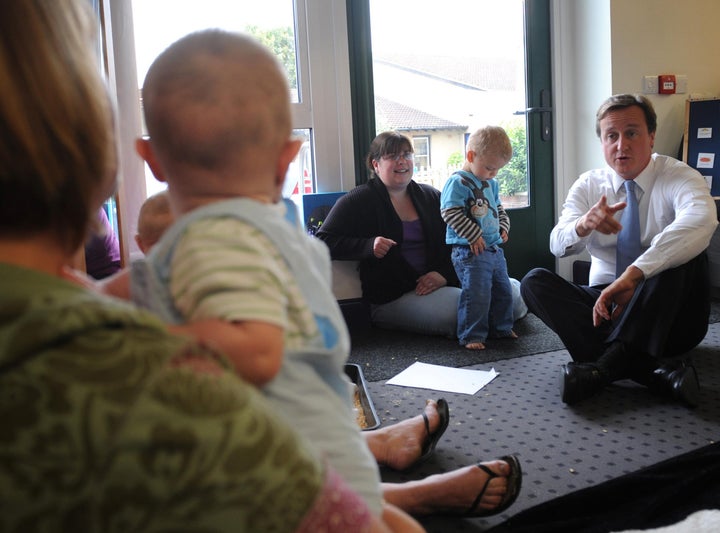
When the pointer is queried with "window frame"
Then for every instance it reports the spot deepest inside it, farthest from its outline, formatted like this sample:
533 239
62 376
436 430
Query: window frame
324 107
419 155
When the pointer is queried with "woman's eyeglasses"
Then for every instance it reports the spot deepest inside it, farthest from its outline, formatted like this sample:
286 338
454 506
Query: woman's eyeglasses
394 157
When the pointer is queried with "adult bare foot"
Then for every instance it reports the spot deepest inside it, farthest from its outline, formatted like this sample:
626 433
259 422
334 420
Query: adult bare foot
468 491
475 346
400 445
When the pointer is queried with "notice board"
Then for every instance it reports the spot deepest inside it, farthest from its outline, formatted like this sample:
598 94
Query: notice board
701 145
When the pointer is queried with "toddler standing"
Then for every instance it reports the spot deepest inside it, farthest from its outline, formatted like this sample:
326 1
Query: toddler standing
477 225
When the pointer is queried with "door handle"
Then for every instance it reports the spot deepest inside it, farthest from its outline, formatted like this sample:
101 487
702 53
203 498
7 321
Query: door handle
544 109
534 110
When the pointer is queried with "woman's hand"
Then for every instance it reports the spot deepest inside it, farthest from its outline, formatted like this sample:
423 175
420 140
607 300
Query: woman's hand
79 277
429 282
382 246
117 285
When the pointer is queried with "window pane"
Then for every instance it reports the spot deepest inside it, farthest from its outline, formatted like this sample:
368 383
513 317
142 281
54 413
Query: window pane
159 23
459 65
421 173
421 145
299 177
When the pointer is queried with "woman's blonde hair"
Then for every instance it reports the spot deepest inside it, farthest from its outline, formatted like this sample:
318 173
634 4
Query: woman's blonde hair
57 152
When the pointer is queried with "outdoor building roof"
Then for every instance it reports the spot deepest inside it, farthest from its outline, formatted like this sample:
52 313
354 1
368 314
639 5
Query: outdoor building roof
473 73
404 118
444 93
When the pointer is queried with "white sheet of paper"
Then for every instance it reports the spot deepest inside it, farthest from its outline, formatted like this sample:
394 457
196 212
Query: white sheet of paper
443 378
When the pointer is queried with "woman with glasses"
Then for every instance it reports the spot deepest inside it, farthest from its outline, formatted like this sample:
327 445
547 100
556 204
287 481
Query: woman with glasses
392 225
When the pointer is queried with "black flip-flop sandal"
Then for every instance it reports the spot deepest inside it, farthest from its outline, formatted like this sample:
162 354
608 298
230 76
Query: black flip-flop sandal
513 487
432 439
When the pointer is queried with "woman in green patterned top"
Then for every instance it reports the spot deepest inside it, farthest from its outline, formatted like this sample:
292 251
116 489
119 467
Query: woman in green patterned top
108 422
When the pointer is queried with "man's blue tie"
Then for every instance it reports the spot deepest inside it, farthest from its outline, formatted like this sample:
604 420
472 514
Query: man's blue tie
628 241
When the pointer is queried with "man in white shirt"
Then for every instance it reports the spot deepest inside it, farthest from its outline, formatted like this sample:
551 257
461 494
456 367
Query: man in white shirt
636 323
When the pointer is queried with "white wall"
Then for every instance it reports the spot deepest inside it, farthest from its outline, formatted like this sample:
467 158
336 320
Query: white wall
604 47
582 79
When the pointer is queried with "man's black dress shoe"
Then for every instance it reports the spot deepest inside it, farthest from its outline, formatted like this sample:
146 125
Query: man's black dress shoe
579 381
678 380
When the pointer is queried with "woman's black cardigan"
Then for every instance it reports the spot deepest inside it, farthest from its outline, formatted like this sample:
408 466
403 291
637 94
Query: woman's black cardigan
365 213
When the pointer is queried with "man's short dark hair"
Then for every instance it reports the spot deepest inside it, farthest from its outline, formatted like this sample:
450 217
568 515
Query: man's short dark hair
623 101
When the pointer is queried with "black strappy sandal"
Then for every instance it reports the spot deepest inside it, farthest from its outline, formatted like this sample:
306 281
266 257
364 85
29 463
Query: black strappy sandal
513 487
432 438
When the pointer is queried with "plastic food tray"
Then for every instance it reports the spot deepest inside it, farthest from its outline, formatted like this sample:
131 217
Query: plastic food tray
354 372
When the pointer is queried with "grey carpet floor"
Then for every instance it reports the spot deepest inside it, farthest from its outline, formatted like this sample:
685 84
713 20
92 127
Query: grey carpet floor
561 448
383 354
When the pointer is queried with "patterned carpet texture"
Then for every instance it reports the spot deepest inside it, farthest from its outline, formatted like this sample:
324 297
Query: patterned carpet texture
562 449
383 354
